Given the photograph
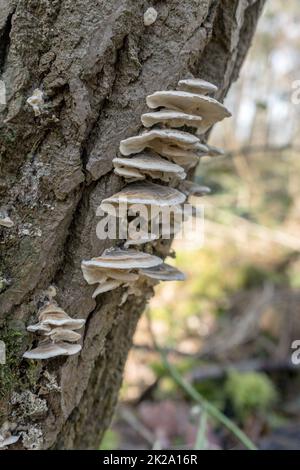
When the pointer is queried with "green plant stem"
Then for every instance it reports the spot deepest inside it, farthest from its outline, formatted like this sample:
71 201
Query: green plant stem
201 442
210 409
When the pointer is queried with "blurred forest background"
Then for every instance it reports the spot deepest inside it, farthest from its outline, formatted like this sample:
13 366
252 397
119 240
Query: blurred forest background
228 329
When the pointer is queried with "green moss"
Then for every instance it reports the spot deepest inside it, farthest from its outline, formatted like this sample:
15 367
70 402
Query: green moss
7 135
250 392
9 372
13 374
110 440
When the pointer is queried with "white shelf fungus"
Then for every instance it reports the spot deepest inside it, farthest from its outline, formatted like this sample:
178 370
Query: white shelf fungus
156 138
161 153
56 329
196 85
116 267
148 165
150 16
171 118
163 272
208 108
149 194
8 441
214 151
193 189
6 221
6 435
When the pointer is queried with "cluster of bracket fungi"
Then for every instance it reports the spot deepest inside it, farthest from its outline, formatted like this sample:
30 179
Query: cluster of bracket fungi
154 165
162 154
57 332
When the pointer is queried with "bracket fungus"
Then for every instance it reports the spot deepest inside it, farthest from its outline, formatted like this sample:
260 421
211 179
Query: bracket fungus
171 118
36 101
6 221
163 272
56 328
116 267
156 138
8 440
188 106
150 16
7 437
214 151
208 108
193 189
152 195
148 165
197 85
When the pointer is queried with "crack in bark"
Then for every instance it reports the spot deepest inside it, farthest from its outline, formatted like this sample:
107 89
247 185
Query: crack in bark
5 40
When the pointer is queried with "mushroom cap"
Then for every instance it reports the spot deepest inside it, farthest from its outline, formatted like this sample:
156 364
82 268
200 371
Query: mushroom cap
164 272
171 118
39 327
121 274
126 172
55 316
193 189
6 222
146 193
63 334
106 286
153 138
96 274
210 109
47 350
70 349
8 441
93 274
214 151
120 259
196 85
149 162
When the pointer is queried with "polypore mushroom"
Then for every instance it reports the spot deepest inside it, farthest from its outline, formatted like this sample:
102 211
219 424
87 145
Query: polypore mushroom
196 85
171 118
156 138
150 16
214 151
53 315
116 267
208 108
148 165
163 272
106 286
6 221
57 326
151 195
130 174
63 334
47 350
8 441
193 189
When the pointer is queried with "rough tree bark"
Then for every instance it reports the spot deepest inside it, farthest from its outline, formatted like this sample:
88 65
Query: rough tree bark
96 62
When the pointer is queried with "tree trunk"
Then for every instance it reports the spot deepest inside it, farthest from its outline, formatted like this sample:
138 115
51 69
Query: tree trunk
96 61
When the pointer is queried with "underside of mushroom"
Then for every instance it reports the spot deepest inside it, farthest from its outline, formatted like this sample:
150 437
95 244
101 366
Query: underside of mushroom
153 166
116 267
